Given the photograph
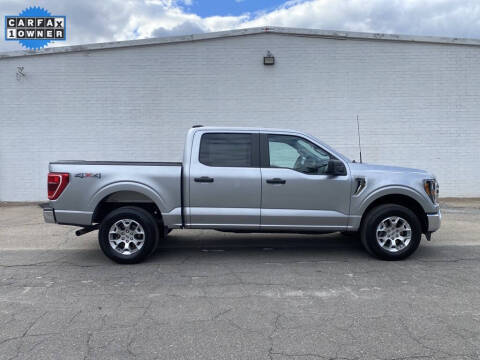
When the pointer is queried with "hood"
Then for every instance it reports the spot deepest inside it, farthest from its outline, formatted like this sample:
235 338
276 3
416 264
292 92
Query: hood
358 168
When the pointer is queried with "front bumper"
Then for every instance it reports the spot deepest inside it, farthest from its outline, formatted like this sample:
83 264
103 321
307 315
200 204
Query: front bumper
48 214
434 221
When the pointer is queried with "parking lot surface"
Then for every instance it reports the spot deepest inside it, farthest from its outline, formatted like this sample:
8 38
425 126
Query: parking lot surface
210 295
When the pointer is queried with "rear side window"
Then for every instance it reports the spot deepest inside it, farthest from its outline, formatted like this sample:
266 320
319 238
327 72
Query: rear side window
226 150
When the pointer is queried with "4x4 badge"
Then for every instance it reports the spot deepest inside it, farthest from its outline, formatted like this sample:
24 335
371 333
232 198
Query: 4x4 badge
87 175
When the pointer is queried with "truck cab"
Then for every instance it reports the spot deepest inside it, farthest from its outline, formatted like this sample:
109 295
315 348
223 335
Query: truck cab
264 180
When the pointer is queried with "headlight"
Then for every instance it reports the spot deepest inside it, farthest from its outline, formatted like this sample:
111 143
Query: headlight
431 188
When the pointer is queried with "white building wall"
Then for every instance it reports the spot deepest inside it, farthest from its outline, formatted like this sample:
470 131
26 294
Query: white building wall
418 103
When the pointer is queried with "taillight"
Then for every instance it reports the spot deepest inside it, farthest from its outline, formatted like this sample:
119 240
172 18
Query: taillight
56 184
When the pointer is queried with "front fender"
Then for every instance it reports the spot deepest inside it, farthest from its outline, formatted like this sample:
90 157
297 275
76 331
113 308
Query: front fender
361 203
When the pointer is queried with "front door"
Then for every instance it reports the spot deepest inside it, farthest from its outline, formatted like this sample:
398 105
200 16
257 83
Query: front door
296 192
225 188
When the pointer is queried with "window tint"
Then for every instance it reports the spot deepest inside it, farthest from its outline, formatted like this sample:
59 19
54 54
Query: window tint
233 150
282 155
298 154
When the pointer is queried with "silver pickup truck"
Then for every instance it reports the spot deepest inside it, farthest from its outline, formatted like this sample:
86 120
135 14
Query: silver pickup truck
244 180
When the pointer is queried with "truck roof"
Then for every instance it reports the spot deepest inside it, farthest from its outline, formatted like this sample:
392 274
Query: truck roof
198 128
243 128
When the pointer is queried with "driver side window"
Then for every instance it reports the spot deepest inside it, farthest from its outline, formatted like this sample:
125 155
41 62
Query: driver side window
292 152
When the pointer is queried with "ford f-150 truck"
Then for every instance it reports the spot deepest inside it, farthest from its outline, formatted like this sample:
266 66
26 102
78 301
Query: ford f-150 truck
244 180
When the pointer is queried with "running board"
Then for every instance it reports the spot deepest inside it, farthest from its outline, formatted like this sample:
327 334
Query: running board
86 230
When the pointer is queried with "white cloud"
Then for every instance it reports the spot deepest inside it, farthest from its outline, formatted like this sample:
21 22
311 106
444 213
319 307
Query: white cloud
110 20
456 18
186 27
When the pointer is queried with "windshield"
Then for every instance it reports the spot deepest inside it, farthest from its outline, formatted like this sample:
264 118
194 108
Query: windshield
328 148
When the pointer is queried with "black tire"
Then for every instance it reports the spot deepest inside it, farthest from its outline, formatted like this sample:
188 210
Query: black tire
374 217
351 234
146 221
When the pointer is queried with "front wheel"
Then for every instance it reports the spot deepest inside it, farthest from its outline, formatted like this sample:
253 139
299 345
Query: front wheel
351 234
128 235
391 232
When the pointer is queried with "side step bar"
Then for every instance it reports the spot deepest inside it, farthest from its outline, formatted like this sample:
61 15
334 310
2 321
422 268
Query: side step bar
86 230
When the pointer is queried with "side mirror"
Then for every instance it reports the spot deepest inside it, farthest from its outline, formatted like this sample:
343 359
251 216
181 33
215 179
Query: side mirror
336 168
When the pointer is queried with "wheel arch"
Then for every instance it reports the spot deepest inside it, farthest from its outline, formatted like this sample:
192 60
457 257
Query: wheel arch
117 197
399 199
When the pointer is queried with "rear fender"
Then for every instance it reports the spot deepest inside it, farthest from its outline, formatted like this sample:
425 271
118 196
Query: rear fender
128 186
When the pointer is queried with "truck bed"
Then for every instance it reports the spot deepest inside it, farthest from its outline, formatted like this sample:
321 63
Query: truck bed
129 163
94 182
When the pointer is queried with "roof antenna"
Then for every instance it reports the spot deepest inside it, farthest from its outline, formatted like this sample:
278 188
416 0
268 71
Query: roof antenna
359 142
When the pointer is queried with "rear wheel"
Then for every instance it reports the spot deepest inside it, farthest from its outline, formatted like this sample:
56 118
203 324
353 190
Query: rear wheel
391 232
128 235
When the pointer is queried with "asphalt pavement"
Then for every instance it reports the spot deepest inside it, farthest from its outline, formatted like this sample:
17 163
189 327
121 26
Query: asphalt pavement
210 295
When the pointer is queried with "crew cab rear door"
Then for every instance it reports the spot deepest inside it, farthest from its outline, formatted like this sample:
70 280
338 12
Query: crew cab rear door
224 181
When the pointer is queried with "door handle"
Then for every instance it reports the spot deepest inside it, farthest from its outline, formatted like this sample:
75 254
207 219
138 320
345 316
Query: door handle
276 181
205 179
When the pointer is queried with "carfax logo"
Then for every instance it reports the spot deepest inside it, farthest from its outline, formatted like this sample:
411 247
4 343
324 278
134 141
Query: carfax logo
34 27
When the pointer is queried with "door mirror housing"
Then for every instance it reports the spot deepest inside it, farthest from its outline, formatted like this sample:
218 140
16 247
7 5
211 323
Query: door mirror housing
336 168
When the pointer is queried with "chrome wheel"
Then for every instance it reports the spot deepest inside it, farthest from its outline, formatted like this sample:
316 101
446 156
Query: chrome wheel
394 234
126 236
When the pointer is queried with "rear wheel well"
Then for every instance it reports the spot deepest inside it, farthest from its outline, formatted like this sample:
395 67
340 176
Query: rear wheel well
125 198
403 200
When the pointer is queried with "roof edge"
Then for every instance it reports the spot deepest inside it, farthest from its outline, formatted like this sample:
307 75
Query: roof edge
332 34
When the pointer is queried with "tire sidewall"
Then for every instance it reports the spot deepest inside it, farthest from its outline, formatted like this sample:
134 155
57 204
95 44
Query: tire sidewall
373 219
145 219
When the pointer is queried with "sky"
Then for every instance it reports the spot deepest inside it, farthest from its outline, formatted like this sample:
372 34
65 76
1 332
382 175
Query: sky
93 21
